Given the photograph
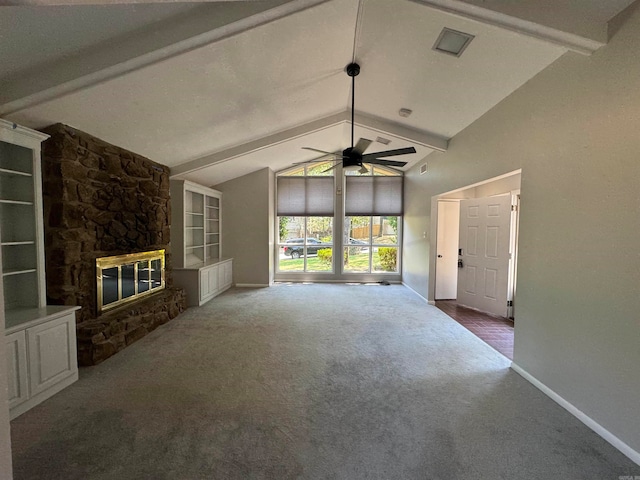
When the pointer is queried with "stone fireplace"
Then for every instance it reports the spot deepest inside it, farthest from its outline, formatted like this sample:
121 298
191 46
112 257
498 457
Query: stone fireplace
101 201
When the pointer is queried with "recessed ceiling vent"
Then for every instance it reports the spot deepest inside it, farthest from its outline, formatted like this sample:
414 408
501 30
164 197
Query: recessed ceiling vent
423 169
382 140
452 42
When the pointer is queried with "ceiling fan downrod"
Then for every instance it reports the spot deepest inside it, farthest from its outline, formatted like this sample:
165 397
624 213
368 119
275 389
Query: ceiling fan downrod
353 157
353 70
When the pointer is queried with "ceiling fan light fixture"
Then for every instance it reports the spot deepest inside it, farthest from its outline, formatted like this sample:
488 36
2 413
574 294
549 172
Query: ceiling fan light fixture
452 42
352 168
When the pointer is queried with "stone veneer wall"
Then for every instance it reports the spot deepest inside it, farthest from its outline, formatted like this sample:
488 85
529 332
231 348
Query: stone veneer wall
101 200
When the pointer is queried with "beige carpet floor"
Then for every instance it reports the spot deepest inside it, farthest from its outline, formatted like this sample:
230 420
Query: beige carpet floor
311 382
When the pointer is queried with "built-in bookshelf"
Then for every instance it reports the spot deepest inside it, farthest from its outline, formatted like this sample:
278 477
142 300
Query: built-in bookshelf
195 225
21 231
40 340
196 232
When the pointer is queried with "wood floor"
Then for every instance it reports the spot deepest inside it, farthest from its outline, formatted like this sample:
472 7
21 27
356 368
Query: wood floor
495 331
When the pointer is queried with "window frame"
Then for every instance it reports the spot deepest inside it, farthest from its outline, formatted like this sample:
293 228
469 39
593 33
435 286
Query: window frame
371 245
337 273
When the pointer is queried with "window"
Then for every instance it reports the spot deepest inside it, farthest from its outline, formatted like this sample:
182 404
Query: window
373 209
365 240
305 208
372 245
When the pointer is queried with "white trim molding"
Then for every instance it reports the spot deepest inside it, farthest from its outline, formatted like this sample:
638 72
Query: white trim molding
583 417
570 41
251 285
430 302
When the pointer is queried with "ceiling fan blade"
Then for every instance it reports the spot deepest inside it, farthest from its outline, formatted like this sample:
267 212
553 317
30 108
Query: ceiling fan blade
388 153
382 161
321 159
362 145
330 168
335 154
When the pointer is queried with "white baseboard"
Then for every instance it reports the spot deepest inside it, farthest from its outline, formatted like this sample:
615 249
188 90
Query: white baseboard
421 297
251 285
584 418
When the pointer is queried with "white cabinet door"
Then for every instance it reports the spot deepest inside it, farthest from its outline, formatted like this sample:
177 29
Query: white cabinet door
225 275
17 368
208 283
213 278
52 352
205 289
228 273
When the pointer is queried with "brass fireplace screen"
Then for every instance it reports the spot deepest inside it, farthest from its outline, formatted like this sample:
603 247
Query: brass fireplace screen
124 278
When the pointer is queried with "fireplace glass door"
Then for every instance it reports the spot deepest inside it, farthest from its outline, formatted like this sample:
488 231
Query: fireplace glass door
123 278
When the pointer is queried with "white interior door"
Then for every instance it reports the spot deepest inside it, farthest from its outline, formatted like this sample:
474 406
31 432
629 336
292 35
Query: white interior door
484 252
447 250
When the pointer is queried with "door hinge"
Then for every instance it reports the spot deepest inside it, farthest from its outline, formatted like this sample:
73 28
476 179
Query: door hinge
509 303
514 208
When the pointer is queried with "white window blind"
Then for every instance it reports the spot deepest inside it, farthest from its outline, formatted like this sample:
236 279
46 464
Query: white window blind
373 196
305 196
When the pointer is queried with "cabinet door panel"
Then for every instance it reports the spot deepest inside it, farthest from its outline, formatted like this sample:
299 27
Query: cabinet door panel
229 273
205 288
213 278
17 368
226 274
50 348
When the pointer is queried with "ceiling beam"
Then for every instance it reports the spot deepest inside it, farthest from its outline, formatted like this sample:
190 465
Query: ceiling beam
259 144
570 41
104 2
131 54
384 127
426 139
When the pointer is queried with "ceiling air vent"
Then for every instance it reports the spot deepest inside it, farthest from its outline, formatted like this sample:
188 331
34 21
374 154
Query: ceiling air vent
423 169
382 140
452 42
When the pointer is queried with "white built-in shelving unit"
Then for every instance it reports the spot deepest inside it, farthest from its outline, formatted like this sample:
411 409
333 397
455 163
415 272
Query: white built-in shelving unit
40 339
21 231
195 223
196 232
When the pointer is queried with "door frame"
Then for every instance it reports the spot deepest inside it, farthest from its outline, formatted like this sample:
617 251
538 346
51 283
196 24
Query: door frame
510 183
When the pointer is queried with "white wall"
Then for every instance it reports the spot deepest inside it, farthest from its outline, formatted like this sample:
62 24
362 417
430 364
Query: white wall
574 130
247 226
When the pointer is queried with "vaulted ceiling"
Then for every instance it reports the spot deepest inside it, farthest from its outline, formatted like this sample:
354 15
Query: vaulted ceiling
216 90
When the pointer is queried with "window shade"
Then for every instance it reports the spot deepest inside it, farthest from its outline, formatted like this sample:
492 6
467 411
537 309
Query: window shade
305 196
373 196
